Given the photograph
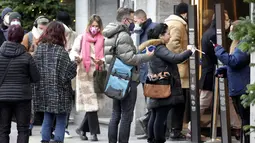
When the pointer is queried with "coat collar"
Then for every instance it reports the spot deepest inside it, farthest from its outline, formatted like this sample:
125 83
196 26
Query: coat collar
176 18
154 42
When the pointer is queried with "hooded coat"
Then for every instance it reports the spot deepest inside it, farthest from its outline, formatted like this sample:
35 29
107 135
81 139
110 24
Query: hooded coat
178 43
165 60
22 72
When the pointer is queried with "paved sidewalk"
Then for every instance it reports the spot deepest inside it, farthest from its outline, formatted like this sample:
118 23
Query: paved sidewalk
102 137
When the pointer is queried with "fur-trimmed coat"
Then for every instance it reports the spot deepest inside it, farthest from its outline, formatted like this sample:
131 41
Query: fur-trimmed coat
166 61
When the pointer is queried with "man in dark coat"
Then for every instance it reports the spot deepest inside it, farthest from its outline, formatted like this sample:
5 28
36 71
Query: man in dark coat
4 25
142 26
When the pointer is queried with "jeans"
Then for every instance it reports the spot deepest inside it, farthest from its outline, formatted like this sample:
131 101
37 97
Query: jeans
156 126
123 111
60 126
22 111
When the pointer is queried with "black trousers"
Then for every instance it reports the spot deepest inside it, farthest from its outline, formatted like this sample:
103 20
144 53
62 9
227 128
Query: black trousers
244 114
22 112
90 123
156 126
176 114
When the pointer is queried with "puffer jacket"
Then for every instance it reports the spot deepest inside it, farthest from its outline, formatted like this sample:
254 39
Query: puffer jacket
237 66
166 61
22 72
126 49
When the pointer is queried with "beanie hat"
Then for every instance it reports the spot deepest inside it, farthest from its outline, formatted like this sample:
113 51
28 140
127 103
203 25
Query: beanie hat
182 8
5 11
41 20
14 15
64 17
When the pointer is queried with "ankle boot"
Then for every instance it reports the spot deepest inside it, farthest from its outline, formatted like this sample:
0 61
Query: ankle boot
94 137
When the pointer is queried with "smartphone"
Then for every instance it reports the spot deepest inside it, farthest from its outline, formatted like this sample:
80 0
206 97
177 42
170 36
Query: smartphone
150 48
212 42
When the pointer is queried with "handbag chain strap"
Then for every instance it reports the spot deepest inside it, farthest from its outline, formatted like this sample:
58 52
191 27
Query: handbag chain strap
5 72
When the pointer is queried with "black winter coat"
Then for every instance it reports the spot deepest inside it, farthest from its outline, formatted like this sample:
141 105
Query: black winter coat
2 38
209 60
22 72
165 60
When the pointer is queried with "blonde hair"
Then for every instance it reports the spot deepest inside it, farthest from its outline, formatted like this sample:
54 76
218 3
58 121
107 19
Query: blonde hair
234 42
97 19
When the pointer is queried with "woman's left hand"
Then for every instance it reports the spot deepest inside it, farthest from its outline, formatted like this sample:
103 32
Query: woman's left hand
99 62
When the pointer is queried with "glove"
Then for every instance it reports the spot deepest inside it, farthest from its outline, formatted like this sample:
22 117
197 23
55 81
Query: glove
221 72
192 48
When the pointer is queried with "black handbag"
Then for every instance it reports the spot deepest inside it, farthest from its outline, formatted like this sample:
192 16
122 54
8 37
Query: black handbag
99 77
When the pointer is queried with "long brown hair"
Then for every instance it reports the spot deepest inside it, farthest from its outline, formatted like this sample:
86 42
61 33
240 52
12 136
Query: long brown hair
97 19
54 34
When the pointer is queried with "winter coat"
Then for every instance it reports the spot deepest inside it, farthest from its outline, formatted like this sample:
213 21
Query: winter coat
144 37
178 43
2 38
237 69
209 60
126 49
22 72
54 94
166 61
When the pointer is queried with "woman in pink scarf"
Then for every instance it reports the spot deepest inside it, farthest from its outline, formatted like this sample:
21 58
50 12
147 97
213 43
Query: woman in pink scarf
88 51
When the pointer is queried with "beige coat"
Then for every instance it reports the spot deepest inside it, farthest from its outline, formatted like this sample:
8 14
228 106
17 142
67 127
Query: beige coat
178 43
86 98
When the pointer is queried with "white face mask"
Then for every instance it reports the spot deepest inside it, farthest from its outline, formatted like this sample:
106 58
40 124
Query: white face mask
15 22
6 20
40 31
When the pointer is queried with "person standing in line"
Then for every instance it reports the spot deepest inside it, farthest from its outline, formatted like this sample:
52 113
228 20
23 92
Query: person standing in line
123 110
164 61
142 26
53 93
30 42
237 72
88 51
5 24
17 71
178 42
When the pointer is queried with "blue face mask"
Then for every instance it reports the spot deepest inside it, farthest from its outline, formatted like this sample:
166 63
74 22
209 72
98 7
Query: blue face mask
131 26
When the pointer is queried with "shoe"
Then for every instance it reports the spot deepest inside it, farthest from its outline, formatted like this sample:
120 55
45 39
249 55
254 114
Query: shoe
67 135
94 138
81 134
142 137
176 135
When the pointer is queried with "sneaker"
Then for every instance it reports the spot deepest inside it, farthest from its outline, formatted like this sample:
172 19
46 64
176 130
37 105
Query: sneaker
67 135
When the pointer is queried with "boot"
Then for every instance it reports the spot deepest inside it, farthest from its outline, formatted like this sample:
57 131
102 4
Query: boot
150 140
176 135
81 134
94 137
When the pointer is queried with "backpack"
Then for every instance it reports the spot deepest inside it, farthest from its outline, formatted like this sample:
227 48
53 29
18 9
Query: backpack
118 78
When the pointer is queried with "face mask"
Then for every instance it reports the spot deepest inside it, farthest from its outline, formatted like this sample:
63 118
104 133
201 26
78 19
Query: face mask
6 20
227 24
93 30
40 31
15 22
131 26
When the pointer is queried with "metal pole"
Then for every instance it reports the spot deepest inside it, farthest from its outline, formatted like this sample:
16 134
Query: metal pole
194 77
224 103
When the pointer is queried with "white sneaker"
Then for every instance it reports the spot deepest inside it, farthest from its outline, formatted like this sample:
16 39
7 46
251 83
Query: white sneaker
67 135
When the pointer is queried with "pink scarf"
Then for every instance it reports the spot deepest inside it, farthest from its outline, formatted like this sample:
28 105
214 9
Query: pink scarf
87 39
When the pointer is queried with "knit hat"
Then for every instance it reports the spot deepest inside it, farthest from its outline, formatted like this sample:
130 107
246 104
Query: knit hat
64 17
14 15
5 11
181 8
42 20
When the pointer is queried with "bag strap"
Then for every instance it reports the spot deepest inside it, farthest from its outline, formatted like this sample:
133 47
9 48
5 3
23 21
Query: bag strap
5 73
114 46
